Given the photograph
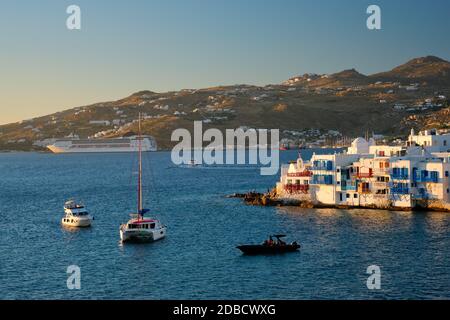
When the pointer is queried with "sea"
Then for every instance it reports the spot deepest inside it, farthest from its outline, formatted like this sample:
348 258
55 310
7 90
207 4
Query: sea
198 259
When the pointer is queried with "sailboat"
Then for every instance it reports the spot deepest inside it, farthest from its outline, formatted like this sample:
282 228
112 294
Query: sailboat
139 228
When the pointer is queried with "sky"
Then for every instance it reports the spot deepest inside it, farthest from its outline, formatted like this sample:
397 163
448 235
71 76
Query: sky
164 45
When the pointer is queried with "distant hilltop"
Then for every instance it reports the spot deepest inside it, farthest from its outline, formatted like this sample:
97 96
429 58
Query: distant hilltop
309 108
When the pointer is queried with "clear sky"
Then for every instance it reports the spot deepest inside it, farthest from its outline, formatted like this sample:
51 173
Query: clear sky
162 45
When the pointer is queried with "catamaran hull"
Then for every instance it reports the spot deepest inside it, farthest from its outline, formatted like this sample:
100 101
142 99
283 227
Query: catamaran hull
140 236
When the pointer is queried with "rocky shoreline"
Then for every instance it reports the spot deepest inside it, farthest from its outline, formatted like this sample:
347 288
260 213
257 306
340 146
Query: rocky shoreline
271 199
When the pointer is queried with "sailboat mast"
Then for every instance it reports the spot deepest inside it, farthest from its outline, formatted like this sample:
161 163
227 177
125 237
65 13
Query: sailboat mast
140 170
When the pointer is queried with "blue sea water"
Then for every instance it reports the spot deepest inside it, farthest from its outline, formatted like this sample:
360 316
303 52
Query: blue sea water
198 259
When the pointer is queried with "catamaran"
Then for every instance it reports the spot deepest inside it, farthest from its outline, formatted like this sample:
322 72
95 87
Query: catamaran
138 228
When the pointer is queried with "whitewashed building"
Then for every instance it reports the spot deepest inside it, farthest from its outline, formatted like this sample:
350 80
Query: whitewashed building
370 175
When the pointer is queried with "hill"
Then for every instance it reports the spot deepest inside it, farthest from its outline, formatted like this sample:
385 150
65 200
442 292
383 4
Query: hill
307 108
428 69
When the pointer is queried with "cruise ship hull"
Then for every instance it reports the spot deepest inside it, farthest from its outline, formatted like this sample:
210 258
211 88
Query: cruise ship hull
55 149
102 146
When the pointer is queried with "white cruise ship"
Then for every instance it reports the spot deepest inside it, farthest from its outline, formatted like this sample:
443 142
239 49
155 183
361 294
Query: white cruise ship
128 144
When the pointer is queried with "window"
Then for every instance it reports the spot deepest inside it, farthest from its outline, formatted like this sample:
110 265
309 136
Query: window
340 196
446 173
347 195
152 226
355 195
445 142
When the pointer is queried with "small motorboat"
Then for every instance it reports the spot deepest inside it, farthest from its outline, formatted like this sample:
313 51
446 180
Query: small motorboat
76 215
192 163
270 246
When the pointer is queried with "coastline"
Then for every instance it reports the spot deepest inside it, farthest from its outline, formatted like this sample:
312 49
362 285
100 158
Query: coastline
271 199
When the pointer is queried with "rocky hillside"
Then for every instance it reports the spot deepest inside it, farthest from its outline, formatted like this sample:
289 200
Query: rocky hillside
307 108
429 70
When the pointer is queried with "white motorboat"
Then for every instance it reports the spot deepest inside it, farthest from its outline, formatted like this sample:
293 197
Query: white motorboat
76 215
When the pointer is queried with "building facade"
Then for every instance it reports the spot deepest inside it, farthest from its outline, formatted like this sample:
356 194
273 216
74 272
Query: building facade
370 175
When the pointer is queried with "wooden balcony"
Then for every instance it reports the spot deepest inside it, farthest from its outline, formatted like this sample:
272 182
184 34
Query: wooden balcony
305 173
296 188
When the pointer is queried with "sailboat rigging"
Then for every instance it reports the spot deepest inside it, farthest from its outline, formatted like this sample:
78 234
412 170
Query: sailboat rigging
139 228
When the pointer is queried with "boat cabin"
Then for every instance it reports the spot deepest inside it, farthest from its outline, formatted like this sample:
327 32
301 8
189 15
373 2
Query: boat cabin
142 224
79 214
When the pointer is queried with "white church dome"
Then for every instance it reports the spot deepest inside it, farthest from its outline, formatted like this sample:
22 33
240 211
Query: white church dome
359 142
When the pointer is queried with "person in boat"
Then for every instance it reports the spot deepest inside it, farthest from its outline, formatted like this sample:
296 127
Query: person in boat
269 242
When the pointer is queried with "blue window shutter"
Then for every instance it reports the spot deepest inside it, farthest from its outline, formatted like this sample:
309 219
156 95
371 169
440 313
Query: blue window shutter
329 165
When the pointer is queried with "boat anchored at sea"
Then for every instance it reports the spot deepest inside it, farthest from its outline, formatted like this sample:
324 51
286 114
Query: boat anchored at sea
270 246
125 144
139 228
76 215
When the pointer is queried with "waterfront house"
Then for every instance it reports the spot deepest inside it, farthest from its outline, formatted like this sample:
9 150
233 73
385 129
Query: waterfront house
371 175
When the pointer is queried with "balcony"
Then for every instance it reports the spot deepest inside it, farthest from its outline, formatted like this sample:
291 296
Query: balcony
322 168
306 173
296 188
381 171
426 176
426 179
364 174
379 185
399 190
399 176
